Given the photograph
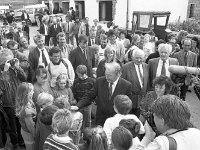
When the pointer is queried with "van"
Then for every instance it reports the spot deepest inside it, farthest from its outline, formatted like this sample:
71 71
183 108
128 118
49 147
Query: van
32 10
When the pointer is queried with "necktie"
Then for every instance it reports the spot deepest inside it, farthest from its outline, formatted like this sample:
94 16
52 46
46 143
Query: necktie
185 58
84 52
87 29
44 58
140 73
163 71
110 90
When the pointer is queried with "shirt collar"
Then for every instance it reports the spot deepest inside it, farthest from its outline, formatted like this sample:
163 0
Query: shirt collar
116 81
161 61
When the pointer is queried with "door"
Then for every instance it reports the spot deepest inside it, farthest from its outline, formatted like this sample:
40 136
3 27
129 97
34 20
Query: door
105 11
80 6
65 7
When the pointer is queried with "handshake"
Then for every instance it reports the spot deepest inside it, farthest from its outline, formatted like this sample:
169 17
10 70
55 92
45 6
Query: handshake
196 81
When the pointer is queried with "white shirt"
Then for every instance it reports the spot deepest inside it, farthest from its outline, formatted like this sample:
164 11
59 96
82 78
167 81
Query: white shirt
25 16
113 122
159 69
101 53
45 29
138 73
40 63
114 85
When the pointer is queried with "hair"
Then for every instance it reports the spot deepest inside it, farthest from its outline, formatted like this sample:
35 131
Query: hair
22 96
54 50
135 38
166 46
11 43
39 71
82 69
121 138
173 110
60 34
107 50
163 80
104 37
186 39
62 121
82 38
5 55
113 65
196 40
47 114
181 35
137 51
161 41
111 32
170 36
98 139
123 104
38 37
132 125
62 76
122 32
44 98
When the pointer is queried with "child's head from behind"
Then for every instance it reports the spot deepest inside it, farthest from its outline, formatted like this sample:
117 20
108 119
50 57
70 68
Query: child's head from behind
98 139
121 138
122 104
132 125
47 114
62 121
62 102
81 72
40 75
62 81
44 100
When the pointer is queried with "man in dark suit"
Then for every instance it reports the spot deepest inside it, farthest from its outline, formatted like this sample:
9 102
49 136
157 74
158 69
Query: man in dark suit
26 29
38 56
137 73
53 31
25 16
107 87
186 58
83 55
93 39
44 30
159 66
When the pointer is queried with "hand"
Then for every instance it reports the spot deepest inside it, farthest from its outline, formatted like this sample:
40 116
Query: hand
16 65
6 66
149 131
75 108
196 81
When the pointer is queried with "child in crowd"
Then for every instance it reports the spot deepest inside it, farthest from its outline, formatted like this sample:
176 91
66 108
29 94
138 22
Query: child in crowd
121 138
134 127
26 112
43 100
122 106
83 88
62 89
43 126
61 123
95 139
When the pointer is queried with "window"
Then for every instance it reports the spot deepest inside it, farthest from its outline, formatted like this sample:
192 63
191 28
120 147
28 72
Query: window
191 10
144 21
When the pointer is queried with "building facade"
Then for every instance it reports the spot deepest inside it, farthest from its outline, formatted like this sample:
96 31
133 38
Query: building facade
193 10
17 4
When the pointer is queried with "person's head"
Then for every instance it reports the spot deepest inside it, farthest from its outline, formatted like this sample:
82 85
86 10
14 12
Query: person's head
157 43
54 21
13 46
55 54
122 104
58 19
135 39
67 18
132 125
62 81
171 112
62 102
181 35
62 121
41 75
24 42
121 138
11 29
61 38
81 71
83 41
92 34
122 34
19 29
148 48
164 51
195 42
138 56
104 41
23 23
95 22
147 38
86 20
109 24
47 114
111 36
44 100
39 40
186 44
98 139
4 42
109 54
5 56
113 71
77 20
24 96
171 38
162 85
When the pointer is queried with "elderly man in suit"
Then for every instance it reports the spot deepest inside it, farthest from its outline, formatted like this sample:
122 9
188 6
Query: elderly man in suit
53 31
67 28
83 55
137 73
107 87
159 66
186 58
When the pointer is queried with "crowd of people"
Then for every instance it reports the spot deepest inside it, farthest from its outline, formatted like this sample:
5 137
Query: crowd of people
86 87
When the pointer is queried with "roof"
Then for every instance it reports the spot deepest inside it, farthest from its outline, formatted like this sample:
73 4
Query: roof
155 13
36 6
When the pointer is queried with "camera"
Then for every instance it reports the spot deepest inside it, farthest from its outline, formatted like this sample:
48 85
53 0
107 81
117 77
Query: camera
13 61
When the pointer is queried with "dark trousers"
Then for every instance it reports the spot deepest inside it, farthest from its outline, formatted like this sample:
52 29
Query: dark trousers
55 41
47 40
136 111
76 37
184 89
86 111
3 137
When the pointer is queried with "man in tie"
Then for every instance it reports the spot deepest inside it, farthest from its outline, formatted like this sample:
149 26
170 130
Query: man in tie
159 66
186 58
137 73
93 39
53 31
44 30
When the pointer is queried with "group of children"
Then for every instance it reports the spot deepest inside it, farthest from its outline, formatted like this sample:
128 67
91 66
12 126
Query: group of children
55 122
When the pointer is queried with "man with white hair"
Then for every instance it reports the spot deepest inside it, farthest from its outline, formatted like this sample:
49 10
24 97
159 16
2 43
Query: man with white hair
159 66
137 73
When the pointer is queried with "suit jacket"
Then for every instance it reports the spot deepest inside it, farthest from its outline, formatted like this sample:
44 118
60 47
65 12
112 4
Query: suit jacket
65 29
53 32
129 73
22 16
78 58
18 35
104 104
42 29
191 58
82 29
97 41
153 65
26 29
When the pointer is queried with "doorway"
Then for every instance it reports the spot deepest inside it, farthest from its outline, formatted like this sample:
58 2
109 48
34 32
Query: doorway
65 7
105 11
80 6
